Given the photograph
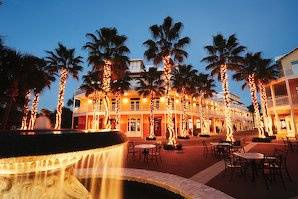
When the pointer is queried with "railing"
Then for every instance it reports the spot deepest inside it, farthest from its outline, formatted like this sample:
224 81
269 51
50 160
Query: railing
279 101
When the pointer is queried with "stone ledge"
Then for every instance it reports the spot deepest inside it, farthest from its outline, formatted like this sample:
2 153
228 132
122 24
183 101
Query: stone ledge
183 186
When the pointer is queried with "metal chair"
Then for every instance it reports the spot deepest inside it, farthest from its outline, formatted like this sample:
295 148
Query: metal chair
155 153
232 165
131 151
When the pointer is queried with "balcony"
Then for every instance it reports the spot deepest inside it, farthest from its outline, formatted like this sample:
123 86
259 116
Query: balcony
279 101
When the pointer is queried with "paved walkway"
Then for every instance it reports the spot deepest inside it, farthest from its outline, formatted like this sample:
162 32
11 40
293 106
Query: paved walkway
209 173
187 188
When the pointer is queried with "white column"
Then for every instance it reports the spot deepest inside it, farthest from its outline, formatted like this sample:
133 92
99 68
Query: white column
276 118
291 107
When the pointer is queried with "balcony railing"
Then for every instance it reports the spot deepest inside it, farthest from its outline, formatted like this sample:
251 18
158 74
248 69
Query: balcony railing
279 101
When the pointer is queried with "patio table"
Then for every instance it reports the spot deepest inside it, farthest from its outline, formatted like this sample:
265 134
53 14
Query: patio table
218 148
252 158
145 148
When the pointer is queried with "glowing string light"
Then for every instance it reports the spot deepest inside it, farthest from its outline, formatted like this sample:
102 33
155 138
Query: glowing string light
106 87
33 111
253 92
151 134
26 111
167 81
227 108
61 92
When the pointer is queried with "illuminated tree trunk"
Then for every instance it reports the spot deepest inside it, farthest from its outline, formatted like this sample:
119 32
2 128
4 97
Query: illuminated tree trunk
266 119
167 81
106 87
26 111
95 119
117 108
253 93
151 135
61 92
184 118
34 110
227 103
204 130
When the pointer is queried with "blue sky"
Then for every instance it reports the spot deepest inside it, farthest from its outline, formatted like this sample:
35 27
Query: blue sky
33 26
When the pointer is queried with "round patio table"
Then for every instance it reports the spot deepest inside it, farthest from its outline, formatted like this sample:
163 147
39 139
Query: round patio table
220 144
145 148
252 158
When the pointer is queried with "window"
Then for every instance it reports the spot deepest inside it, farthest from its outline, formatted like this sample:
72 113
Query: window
295 67
77 103
134 104
198 124
133 125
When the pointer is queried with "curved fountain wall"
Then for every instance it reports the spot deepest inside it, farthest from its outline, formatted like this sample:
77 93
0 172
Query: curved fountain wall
38 165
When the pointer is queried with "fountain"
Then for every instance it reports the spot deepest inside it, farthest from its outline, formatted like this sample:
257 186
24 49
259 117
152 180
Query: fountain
39 164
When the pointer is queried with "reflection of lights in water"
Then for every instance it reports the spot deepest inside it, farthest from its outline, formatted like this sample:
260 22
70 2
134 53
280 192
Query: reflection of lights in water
52 176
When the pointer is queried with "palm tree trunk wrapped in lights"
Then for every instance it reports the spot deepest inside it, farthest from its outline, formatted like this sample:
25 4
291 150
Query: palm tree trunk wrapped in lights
227 108
253 92
26 111
106 87
184 117
34 110
95 118
167 82
61 92
151 134
264 106
117 108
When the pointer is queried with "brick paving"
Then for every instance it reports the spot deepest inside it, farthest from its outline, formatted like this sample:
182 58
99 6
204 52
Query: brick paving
242 187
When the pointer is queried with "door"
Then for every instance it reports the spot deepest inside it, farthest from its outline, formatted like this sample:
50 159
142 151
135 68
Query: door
157 126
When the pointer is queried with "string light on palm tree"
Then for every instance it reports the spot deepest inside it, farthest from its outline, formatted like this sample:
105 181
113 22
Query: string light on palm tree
247 73
24 124
150 85
93 87
183 83
119 86
223 55
107 54
167 47
64 61
203 88
266 71
34 110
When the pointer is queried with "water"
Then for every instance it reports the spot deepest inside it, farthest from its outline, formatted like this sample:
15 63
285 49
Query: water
52 176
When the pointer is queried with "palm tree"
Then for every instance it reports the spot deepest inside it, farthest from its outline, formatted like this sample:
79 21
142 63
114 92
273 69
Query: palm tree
63 60
107 53
266 71
93 86
45 79
183 83
223 55
247 73
119 86
150 84
13 70
167 47
204 88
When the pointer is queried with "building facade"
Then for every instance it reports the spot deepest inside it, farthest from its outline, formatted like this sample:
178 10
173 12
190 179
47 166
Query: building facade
283 95
135 111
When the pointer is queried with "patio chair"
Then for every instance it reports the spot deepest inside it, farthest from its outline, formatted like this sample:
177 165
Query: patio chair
237 147
290 145
286 146
282 155
155 153
206 149
131 151
232 164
